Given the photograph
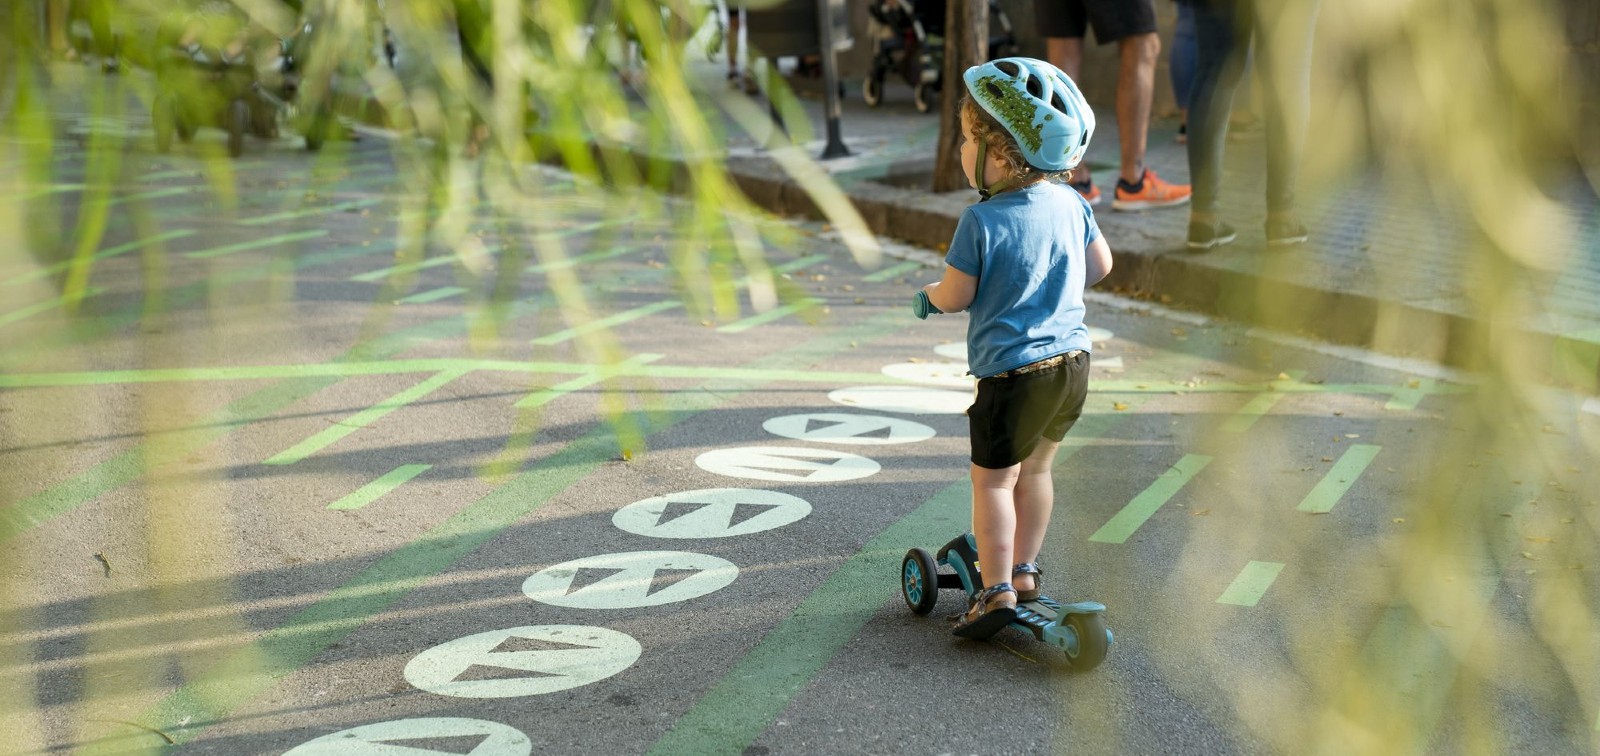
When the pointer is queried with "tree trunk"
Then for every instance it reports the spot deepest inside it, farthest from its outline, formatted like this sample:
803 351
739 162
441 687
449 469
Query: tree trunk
966 44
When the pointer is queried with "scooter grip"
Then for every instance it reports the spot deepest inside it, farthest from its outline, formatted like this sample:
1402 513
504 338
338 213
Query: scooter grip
922 308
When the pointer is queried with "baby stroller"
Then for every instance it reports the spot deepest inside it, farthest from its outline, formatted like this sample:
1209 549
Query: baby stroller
908 38
220 70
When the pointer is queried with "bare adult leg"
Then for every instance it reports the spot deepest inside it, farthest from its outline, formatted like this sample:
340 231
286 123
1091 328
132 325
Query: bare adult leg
1066 53
994 521
1136 80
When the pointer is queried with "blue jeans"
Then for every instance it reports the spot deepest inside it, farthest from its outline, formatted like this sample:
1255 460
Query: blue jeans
1182 61
1224 31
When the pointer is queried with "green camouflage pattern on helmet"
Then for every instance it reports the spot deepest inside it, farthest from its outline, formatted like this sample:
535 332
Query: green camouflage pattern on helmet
1012 108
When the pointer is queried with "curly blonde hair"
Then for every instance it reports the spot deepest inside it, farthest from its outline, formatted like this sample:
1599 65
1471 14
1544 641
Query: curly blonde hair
1001 144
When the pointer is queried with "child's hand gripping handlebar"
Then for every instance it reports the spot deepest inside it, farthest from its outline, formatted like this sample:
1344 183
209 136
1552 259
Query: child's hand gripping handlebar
921 307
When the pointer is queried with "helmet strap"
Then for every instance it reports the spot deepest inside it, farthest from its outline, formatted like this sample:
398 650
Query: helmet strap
980 171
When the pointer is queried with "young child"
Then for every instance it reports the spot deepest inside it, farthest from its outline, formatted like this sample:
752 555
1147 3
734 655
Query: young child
1020 260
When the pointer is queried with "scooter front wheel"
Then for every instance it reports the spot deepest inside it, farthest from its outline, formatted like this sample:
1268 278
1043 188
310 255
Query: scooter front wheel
919 581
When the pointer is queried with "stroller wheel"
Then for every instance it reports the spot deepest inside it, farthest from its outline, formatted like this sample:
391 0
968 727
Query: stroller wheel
925 96
872 90
238 125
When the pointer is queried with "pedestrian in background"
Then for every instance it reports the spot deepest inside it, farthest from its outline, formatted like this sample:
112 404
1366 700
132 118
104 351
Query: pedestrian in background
1132 25
1281 31
1019 262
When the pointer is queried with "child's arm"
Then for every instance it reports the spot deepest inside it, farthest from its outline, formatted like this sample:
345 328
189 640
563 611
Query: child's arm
1096 261
954 293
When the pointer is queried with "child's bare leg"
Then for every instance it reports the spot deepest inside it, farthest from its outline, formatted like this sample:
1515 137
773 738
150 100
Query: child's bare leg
1035 497
994 521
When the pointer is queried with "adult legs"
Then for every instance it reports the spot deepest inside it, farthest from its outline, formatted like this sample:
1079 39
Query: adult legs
1181 61
1218 67
1136 79
1283 38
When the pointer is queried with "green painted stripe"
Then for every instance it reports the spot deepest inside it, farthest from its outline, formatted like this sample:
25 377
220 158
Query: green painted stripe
432 295
545 396
602 255
607 322
209 696
101 255
751 695
329 436
1408 398
270 241
891 272
770 315
46 306
1121 526
310 211
1251 584
1259 406
411 267
152 194
370 492
1339 479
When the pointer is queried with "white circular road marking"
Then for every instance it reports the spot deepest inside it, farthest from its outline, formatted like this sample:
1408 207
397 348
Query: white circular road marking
840 428
787 463
952 374
522 661
711 513
415 737
1098 335
912 400
630 579
955 350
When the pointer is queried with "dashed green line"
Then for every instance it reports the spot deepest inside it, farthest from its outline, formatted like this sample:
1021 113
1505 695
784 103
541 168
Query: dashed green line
411 267
361 419
372 491
1408 398
605 254
1259 406
1121 526
12 317
891 272
310 211
545 396
1339 479
101 255
769 316
432 295
607 322
270 241
1251 584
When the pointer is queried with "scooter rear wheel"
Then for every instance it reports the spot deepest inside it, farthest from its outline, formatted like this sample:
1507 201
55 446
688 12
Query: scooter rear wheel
919 581
1093 641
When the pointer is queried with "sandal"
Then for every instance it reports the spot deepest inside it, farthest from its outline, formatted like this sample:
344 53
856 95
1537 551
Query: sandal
991 610
1029 568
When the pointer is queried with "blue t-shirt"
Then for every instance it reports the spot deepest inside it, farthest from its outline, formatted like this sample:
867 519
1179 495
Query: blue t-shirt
1026 248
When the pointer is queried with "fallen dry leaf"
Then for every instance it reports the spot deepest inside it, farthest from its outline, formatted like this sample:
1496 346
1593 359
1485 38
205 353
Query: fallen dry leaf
1529 556
1201 512
1118 406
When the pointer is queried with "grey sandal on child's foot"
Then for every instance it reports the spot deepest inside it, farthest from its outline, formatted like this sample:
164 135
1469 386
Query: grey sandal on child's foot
991 610
1029 568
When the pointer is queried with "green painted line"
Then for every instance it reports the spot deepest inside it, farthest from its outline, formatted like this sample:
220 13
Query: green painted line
1258 406
209 696
433 262
570 262
775 313
1339 479
891 272
743 704
1251 584
310 211
603 372
370 492
152 194
43 192
1408 398
1122 525
101 255
432 295
362 419
607 322
270 241
46 306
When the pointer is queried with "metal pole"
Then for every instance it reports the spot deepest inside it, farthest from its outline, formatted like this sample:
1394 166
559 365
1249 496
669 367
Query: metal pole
830 81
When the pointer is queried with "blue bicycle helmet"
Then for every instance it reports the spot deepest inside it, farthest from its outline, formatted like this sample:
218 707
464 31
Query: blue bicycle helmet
1039 106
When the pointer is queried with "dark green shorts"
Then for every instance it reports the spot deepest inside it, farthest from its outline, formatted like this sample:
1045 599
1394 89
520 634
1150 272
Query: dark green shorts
1011 414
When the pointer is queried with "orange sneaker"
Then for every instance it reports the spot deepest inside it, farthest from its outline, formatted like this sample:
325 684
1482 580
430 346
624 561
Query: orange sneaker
1150 192
1090 192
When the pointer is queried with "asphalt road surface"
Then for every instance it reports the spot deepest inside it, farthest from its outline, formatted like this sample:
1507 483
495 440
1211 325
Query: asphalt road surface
281 489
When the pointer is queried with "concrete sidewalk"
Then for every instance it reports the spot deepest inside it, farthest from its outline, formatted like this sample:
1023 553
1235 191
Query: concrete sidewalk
1386 267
